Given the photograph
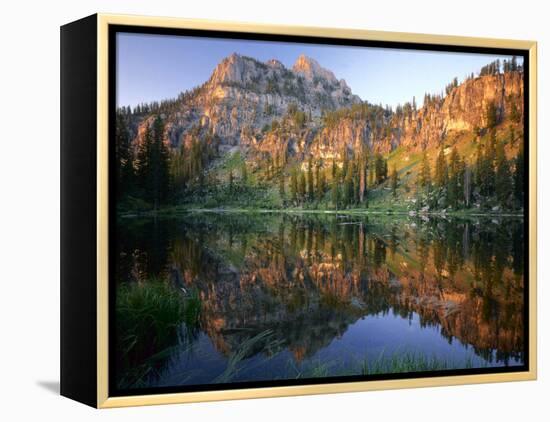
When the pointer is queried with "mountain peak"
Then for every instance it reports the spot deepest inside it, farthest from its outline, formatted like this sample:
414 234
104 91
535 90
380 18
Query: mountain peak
310 69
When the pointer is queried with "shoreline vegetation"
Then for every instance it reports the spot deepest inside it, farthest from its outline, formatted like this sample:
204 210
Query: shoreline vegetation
177 210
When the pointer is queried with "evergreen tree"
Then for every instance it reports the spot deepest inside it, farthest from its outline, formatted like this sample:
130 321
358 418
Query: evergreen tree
123 153
488 175
143 163
244 173
231 177
302 187
503 181
394 181
345 160
294 185
160 161
424 175
519 178
363 168
491 115
456 175
348 186
282 185
153 164
479 166
310 183
467 185
440 176
317 180
178 175
321 184
380 169
335 192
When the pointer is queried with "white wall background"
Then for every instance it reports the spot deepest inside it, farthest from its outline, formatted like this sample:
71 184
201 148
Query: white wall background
29 208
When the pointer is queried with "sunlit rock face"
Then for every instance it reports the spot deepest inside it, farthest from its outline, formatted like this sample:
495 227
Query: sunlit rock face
244 94
239 102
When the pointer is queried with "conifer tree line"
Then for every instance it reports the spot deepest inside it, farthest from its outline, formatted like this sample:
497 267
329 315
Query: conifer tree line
491 180
344 184
150 171
495 67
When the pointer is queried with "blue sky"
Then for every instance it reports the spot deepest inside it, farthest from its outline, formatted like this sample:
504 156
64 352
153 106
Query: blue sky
156 67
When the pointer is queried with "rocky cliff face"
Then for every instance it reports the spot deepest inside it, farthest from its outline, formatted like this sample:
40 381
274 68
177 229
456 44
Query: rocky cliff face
462 110
243 96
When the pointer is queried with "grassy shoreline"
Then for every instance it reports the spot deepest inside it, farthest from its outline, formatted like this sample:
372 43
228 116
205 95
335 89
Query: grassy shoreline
178 210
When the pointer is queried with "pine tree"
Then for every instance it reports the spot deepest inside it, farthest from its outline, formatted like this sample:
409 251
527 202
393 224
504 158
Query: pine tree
456 175
488 169
123 153
143 163
424 175
162 174
178 176
467 185
394 181
294 185
231 177
348 186
363 159
345 160
503 181
519 178
282 185
380 169
491 115
335 192
244 173
317 180
479 166
310 183
302 187
440 176
321 184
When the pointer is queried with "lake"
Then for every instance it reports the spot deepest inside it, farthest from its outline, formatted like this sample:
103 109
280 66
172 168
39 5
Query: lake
214 297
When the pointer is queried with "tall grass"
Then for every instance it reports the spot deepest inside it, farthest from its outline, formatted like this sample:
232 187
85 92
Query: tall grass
148 319
397 362
264 341
408 362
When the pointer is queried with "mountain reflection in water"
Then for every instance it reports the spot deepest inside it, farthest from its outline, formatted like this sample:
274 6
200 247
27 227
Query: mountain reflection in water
285 296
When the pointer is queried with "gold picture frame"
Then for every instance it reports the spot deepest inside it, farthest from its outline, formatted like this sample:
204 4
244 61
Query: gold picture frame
101 214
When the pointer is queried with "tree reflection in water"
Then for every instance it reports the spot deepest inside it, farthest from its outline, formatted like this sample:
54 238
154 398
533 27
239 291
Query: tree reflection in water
315 284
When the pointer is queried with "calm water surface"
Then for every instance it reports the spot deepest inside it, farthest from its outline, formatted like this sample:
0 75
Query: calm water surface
279 296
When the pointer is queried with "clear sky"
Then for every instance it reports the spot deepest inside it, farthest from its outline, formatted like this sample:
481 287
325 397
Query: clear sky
156 67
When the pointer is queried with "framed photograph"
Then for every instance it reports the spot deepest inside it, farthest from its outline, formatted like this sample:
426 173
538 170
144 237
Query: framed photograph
259 211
